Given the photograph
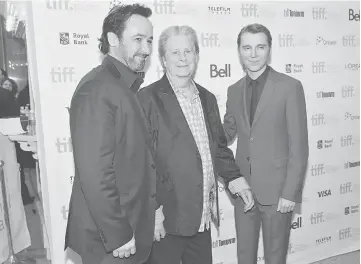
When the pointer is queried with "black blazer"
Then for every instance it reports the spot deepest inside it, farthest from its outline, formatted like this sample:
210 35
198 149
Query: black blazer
178 161
113 195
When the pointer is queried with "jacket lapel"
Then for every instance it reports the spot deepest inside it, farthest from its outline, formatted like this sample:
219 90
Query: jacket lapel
206 113
244 112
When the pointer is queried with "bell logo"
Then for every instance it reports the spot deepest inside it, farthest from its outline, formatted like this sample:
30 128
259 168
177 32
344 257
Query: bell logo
297 224
222 73
352 15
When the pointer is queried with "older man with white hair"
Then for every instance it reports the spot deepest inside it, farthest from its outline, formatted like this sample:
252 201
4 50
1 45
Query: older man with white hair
190 150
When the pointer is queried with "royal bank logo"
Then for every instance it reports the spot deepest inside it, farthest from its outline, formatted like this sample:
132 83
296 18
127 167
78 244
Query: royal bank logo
319 13
323 240
293 13
250 10
353 209
64 145
350 165
349 116
164 7
321 95
222 243
325 42
219 10
324 143
353 15
64 38
77 38
294 68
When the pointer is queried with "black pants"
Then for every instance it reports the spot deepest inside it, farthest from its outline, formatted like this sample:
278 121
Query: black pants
172 249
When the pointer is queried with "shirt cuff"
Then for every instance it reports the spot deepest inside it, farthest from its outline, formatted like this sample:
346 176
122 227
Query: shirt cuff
159 216
238 185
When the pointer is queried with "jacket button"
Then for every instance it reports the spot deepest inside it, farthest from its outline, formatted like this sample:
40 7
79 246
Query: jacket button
247 158
153 166
153 195
251 139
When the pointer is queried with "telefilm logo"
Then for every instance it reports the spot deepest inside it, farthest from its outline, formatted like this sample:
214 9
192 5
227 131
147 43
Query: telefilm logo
250 10
323 240
210 40
219 10
62 74
294 68
350 165
219 71
293 13
349 116
352 66
222 243
319 13
64 145
324 193
325 42
325 95
350 41
353 209
77 38
347 91
353 15
324 144
346 188
322 169
164 7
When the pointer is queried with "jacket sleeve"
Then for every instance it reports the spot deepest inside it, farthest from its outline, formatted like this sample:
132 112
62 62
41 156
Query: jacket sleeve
296 117
92 126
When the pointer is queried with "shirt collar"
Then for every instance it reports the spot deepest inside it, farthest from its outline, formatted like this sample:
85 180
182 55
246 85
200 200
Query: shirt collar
178 90
260 79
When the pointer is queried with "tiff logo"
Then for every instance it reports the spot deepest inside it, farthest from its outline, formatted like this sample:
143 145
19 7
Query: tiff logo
59 4
215 72
324 193
249 10
348 91
210 40
353 16
163 7
346 141
318 119
318 169
285 40
317 218
319 67
319 13
346 188
350 41
64 145
62 75
345 233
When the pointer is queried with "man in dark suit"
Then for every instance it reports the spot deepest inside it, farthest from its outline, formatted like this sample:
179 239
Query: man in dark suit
266 111
112 206
190 152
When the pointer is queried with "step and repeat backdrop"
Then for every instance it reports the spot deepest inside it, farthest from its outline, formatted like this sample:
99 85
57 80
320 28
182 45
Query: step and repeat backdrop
315 42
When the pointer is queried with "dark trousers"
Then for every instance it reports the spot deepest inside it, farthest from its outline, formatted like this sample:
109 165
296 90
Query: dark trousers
172 249
101 259
275 229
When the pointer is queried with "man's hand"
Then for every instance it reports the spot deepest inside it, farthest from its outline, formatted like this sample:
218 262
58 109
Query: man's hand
247 198
125 250
285 206
159 232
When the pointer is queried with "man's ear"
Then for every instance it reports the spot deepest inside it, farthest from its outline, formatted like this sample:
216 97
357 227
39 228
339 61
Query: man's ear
113 39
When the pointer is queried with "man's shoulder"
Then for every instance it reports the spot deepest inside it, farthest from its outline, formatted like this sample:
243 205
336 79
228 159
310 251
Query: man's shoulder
280 77
151 89
237 85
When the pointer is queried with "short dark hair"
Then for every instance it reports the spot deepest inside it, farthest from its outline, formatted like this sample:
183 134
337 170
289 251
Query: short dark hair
255 28
115 22
4 73
14 86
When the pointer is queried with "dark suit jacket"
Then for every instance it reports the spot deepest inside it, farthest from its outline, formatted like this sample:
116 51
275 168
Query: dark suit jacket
114 186
8 105
179 165
275 148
